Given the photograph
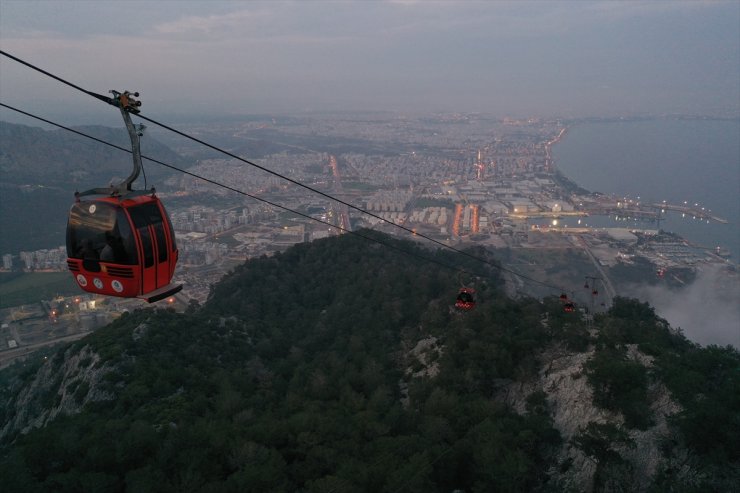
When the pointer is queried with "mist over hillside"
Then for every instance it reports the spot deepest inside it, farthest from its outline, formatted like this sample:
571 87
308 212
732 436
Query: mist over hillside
707 310
340 365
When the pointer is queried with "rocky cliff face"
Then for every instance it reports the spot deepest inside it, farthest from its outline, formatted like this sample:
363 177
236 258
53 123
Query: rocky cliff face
570 403
63 385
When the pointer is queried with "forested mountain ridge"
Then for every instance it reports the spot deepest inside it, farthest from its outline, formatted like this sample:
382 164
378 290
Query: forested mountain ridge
40 170
32 155
339 365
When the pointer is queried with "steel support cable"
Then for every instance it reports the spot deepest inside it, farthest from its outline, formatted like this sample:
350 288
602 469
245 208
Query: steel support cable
335 199
290 180
359 209
241 192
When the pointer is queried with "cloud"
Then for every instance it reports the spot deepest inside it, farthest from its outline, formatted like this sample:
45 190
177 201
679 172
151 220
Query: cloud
707 311
515 57
209 24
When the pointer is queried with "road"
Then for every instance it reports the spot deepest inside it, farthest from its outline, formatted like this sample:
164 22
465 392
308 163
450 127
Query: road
610 291
696 211
8 356
529 215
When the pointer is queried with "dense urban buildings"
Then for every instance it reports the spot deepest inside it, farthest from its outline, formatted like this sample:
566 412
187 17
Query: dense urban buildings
460 179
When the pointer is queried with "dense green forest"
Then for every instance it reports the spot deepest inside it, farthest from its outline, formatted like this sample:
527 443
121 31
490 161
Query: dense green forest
341 366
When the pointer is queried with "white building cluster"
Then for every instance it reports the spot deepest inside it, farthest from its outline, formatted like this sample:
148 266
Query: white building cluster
389 201
208 220
435 216
39 260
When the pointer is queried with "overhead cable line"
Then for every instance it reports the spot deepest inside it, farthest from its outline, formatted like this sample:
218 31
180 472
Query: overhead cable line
241 192
290 180
316 191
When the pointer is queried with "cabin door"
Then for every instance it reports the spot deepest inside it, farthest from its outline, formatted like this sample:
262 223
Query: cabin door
154 252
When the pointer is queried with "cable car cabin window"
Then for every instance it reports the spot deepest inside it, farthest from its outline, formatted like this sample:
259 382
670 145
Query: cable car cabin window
146 243
98 231
172 230
143 216
465 297
161 242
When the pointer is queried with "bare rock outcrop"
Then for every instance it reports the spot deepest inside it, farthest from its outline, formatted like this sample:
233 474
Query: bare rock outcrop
61 386
563 379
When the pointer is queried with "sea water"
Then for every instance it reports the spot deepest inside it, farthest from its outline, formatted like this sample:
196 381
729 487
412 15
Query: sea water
683 162
679 161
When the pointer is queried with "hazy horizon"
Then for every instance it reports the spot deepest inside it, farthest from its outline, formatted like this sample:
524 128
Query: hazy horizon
568 59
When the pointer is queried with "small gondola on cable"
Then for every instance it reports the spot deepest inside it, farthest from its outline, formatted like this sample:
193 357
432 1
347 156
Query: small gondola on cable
465 299
120 241
568 305
594 292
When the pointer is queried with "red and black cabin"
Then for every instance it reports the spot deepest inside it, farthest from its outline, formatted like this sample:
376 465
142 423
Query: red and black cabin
465 299
122 246
120 242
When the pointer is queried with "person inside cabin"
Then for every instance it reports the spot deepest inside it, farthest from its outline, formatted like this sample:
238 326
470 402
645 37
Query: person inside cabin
114 249
108 254
87 250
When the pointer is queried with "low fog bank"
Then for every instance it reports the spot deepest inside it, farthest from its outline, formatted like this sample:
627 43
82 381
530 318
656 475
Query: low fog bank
707 311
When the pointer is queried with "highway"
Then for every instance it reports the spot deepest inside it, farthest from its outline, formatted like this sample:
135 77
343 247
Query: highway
8 356
611 293
529 215
699 213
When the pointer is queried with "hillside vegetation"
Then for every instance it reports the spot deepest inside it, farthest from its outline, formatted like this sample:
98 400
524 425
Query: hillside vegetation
40 170
31 155
340 366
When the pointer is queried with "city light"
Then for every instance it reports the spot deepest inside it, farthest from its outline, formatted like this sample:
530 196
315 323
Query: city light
494 203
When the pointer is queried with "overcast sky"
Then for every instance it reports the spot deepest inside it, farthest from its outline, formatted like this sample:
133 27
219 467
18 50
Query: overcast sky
506 58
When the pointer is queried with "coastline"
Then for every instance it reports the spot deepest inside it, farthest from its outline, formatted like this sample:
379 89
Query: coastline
710 185
689 289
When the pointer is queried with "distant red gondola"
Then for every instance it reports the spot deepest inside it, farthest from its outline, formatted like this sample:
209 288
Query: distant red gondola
465 299
121 242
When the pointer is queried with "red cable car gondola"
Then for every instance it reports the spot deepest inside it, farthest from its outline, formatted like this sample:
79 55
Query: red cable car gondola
568 306
121 242
465 299
592 286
